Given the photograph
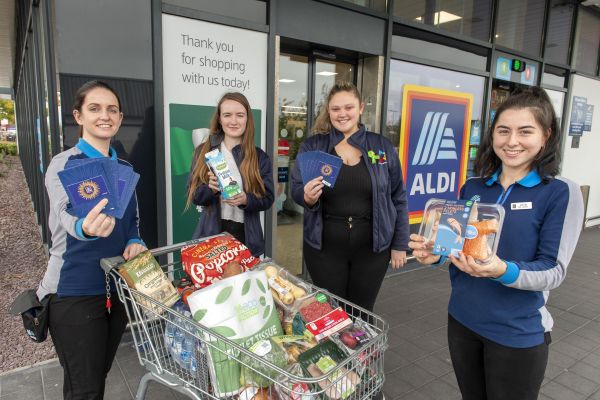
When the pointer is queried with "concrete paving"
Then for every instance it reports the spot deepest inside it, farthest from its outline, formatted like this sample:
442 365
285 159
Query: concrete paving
417 362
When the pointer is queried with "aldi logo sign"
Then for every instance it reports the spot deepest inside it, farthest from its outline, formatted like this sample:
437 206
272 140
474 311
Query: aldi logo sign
434 143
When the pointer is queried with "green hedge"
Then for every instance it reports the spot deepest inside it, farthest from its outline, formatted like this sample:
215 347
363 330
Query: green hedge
8 148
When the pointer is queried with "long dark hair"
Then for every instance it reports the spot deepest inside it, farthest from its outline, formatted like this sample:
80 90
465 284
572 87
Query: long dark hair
83 91
323 122
547 162
249 170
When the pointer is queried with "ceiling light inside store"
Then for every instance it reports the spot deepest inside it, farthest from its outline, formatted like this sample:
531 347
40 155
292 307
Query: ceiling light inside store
441 17
327 73
284 80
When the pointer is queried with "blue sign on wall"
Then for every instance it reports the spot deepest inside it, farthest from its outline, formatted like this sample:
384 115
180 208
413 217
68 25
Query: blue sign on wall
578 113
434 140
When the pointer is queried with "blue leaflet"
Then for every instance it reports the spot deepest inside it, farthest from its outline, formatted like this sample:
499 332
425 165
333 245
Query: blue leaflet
89 180
319 163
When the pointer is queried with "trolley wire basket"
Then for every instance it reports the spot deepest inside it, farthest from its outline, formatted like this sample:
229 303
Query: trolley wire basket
177 351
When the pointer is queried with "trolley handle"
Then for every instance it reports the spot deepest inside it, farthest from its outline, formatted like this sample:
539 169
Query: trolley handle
172 247
109 264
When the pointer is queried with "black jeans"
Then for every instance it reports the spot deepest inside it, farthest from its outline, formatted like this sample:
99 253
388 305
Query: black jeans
235 228
486 370
86 338
346 265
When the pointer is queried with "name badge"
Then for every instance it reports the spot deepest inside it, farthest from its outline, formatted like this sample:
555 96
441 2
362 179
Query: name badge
521 206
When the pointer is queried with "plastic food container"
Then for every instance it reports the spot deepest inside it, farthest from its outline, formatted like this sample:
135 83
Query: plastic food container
452 226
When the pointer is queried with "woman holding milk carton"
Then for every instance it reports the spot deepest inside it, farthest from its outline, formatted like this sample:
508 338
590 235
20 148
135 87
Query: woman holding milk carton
230 177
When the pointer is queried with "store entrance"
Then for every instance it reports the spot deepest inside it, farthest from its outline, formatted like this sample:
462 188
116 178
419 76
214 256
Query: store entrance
500 91
303 83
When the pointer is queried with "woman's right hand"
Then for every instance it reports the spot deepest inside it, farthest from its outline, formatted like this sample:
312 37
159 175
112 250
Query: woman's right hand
96 223
419 247
213 183
313 190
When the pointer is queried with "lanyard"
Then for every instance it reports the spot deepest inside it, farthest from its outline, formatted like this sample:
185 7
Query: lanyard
505 195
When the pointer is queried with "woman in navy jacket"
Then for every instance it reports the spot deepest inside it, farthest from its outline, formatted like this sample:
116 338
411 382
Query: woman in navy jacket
498 323
232 132
351 232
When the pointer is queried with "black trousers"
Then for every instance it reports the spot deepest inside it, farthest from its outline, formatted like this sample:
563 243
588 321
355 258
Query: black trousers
235 228
86 338
486 370
346 265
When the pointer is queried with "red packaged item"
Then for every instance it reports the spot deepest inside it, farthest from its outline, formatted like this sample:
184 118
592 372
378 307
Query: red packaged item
205 262
321 319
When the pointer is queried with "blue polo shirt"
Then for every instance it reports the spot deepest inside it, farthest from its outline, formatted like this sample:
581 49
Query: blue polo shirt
74 263
541 227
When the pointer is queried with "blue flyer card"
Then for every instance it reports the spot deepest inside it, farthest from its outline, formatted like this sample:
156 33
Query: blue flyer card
305 160
116 181
319 163
126 183
328 166
452 227
86 185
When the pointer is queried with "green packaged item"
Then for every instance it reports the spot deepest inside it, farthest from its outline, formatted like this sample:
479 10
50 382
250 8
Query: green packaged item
322 360
255 371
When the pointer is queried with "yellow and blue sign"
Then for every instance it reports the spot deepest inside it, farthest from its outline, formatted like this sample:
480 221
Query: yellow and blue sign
434 144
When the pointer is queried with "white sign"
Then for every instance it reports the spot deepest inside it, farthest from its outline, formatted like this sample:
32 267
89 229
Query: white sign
201 62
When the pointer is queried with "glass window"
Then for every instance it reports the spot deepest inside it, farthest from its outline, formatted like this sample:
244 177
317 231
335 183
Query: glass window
519 25
379 5
438 52
465 17
558 35
249 10
558 100
292 120
402 73
554 77
587 39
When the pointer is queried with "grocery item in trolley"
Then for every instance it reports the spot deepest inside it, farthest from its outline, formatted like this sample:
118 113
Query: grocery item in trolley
453 226
210 260
322 359
255 372
216 162
287 291
318 319
240 308
144 274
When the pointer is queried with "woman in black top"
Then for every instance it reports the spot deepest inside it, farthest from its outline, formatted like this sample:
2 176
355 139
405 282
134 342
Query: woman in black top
363 220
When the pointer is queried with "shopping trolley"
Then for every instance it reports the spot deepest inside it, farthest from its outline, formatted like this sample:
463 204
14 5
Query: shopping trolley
152 323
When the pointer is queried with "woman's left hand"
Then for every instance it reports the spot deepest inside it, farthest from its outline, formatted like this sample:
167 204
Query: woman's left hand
467 264
398 259
237 200
133 250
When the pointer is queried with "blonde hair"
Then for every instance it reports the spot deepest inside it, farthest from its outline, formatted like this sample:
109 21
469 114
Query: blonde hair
323 123
249 170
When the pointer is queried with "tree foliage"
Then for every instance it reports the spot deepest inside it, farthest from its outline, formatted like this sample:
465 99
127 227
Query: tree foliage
7 110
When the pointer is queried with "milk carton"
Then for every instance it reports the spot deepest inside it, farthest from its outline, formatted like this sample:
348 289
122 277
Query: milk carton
216 162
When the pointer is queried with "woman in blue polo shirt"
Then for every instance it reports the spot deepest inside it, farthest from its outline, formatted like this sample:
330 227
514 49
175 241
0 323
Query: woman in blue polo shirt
498 323
85 325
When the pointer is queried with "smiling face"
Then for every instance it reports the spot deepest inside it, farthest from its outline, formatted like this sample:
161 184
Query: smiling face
100 116
233 118
344 112
517 139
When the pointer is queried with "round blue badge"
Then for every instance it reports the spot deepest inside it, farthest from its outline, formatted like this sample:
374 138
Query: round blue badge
471 232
